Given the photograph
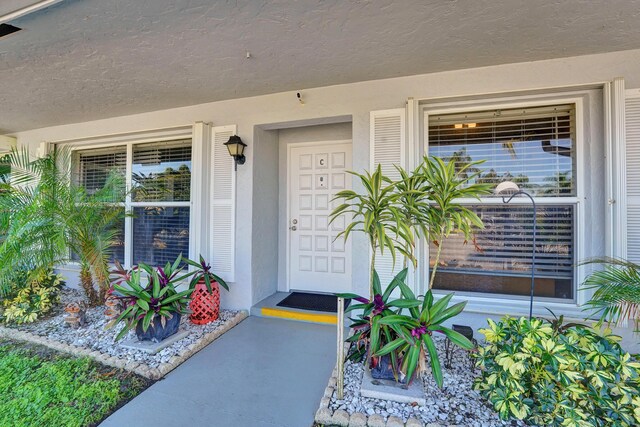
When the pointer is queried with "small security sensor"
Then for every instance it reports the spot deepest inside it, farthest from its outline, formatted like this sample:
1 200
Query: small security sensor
299 96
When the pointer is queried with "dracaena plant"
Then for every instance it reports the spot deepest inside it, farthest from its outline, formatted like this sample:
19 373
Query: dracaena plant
376 213
150 292
446 184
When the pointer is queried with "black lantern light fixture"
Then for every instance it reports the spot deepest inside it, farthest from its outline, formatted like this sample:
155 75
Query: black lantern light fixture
508 190
236 149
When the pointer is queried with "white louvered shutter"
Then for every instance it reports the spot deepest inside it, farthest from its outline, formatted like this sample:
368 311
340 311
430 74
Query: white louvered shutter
632 130
223 191
388 133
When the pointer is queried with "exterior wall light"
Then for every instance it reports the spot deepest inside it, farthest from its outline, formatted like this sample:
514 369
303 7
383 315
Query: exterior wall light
508 190
236 149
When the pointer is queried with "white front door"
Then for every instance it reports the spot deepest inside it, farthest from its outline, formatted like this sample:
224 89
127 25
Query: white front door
318 262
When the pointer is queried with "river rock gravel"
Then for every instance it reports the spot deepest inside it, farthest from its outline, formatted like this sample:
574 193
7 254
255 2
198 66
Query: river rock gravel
95 336
455 404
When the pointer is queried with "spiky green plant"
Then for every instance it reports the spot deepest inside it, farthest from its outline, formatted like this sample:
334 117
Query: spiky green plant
375 212
616 297
447 183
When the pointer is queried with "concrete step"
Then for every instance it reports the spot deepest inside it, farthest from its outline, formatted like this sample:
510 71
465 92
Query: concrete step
268 308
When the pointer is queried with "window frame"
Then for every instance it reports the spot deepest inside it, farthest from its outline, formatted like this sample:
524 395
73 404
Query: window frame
112 142
498 301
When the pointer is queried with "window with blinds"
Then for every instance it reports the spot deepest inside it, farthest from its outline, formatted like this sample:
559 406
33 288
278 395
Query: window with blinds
160 196
162 172
160 234
504 248
535 148
93 167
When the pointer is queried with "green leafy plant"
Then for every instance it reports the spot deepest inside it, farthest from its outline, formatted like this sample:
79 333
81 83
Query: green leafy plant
616 297
558 375
35 295
393 215
416 329
382 328
203 273
369 334
375 213
447 183
149 293
45 216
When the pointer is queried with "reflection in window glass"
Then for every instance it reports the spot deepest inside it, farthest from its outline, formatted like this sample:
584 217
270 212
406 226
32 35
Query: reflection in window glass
93 167
162 171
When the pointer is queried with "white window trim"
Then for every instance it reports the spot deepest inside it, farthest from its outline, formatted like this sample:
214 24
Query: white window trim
498 303
128 140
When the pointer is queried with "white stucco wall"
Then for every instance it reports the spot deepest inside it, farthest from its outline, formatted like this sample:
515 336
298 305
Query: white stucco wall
355 100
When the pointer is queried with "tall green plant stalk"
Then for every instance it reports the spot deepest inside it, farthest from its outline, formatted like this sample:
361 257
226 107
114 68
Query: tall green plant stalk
376 214
412 200
447 184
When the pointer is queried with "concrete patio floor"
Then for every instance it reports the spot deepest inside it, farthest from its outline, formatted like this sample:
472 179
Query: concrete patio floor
264 372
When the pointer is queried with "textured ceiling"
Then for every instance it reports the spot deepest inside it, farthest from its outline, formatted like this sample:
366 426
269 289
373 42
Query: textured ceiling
88 59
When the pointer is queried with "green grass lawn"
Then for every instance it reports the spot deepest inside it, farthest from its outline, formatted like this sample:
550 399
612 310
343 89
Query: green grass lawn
39 387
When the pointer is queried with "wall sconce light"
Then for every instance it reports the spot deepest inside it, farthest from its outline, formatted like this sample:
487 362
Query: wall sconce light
236 149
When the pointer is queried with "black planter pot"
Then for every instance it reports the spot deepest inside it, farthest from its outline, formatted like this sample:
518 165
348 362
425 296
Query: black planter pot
156 332
383 370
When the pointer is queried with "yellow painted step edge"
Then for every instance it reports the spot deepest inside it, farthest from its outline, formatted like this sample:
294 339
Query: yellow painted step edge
330 319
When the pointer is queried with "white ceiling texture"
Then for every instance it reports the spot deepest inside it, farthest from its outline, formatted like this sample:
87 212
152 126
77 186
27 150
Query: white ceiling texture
79 60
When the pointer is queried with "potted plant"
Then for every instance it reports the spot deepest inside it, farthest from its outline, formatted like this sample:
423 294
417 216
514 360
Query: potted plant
393 215
205 300
154 306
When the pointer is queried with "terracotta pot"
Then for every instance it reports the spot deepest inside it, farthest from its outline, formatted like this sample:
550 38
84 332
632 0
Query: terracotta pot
205 305
156 332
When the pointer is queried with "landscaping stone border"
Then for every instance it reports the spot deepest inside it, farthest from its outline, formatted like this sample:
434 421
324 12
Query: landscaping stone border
341 418
120 363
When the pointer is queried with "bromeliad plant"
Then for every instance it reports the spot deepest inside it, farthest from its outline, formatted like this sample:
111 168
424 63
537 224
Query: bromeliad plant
382 329
148 293
551 374
203 274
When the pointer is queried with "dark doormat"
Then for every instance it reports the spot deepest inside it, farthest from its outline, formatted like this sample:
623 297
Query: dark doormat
317 302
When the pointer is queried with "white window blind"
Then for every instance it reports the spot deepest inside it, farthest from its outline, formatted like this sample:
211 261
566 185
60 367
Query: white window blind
93 167
504 248
536 148
162 171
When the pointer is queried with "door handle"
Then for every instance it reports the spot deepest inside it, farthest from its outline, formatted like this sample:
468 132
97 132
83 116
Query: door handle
293 228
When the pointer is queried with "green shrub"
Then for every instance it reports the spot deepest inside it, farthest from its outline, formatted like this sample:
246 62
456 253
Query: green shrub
554 375
34 298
